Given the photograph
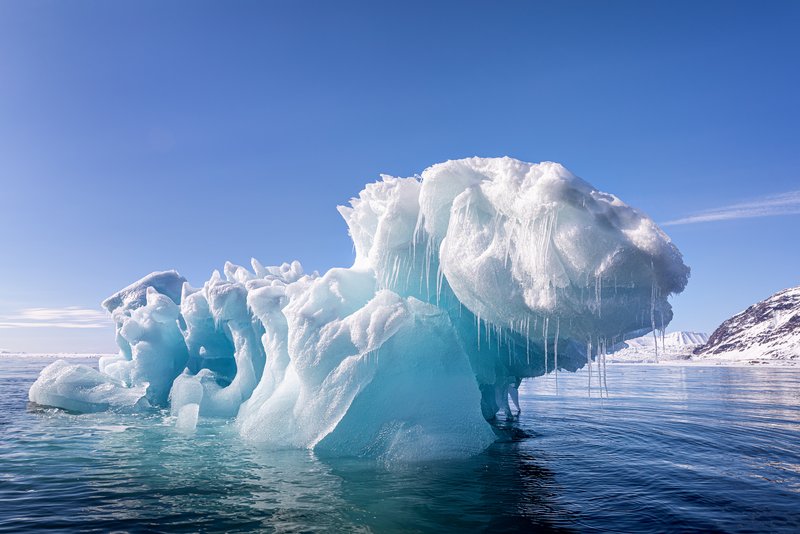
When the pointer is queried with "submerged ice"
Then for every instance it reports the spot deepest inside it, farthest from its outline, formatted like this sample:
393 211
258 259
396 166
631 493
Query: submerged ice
468 278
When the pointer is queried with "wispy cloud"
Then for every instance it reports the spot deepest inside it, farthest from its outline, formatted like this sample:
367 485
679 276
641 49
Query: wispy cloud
782 204
69 317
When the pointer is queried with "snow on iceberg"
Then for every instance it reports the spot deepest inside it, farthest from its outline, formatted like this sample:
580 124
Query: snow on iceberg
467 278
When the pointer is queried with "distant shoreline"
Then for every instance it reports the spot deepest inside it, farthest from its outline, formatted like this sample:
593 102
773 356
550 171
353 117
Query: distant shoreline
717 362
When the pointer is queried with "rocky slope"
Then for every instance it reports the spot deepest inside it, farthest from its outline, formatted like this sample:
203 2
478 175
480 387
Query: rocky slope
766 331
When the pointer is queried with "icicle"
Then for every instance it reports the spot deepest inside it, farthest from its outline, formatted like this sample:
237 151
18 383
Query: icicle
419 229
599 295
528 339
600 369
653 313
439 280
602 348
605 370
555 350
478 328
546 322
589 362
394 273
596 293
429 252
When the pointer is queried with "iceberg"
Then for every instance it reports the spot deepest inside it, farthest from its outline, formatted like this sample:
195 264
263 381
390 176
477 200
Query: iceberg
82 389
467 278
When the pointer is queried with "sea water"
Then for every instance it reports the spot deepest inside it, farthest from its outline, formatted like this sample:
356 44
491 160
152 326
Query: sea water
667 449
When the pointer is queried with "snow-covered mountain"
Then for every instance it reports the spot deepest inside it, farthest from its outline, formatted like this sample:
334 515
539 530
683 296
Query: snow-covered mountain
766 331
672 346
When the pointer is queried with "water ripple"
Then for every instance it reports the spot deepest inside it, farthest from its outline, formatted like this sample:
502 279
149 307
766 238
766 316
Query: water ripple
671 449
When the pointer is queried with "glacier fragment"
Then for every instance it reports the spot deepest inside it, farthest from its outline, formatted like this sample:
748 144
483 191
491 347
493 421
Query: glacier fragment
80 388
467 279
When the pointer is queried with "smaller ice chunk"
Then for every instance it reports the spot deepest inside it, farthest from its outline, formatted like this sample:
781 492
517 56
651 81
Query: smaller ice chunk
187 418
80 388
187 389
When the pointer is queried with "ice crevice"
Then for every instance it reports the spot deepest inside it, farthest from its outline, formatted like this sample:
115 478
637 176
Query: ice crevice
467 278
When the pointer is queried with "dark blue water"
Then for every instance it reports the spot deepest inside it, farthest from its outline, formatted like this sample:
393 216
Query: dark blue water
672 449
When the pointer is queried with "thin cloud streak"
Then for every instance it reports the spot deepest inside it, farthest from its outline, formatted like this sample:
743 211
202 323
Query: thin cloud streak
69 317
783 204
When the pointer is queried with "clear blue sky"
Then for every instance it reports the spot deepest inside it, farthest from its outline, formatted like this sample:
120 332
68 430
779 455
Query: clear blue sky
138 136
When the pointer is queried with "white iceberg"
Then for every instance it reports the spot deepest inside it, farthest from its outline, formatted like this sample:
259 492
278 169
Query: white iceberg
672 347
80 388
467 278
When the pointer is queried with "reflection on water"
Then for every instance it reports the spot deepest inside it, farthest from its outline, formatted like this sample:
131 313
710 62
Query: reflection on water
671 449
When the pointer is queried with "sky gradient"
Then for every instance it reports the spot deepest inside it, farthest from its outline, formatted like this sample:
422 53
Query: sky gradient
153 135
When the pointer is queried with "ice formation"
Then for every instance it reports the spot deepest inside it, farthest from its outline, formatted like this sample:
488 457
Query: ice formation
671 347
468 278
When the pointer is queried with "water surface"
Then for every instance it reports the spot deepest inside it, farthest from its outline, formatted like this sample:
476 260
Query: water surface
670 449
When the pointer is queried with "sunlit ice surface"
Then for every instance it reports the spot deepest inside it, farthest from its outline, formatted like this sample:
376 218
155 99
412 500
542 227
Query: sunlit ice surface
467 279
666 449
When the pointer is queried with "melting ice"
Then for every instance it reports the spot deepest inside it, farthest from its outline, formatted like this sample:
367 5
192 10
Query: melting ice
468 278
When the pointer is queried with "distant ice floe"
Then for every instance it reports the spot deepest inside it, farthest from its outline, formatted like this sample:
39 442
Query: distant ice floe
672 347
468 278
